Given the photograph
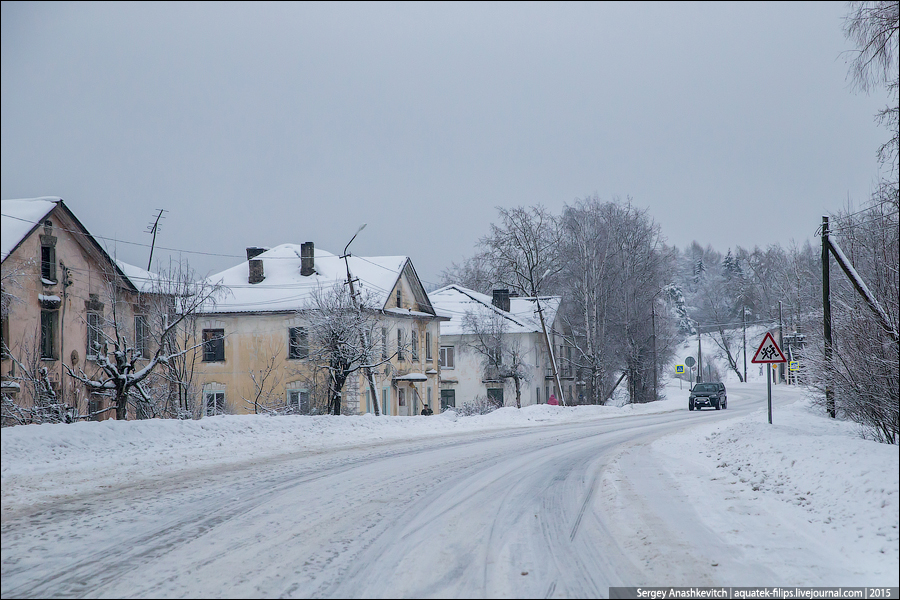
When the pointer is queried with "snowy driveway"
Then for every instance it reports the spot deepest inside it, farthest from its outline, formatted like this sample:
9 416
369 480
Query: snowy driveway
511 513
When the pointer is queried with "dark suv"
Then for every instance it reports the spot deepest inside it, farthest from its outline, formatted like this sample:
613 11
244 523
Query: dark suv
708 394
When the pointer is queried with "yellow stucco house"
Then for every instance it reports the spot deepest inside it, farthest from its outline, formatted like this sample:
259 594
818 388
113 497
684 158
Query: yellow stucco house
254 350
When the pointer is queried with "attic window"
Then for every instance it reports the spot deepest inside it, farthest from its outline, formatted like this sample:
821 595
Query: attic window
399 299
48 263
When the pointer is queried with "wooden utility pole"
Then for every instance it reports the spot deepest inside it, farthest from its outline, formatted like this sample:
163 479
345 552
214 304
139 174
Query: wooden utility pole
653 322
744 325
699 356
826 319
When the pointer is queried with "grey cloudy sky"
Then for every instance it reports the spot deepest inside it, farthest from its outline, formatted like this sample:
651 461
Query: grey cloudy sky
259 124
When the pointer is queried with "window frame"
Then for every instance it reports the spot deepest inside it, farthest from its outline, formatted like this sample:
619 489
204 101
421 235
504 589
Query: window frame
298 343
49 332
301 404
94 334
442 357
218 407
48 262
213 353
141 336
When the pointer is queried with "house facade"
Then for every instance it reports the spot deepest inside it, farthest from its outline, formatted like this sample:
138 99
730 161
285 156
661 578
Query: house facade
468 372
255 348
61 291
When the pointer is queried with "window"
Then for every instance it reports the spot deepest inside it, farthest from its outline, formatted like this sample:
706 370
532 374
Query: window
298 401
384 349
49 320
48 263
94 335
4 336
446 357
399 344
141 336
448 399
415 345
428 352
537 395
215 403
399 299
298 342
384 401
213 345
495 395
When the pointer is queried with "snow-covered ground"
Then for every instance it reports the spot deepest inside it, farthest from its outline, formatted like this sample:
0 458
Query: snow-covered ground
41 462
757 480
805 476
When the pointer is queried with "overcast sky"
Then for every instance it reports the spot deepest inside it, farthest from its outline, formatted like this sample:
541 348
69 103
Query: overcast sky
260 124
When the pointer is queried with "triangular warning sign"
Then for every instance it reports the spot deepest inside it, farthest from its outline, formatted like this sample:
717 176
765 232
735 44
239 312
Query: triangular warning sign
768 351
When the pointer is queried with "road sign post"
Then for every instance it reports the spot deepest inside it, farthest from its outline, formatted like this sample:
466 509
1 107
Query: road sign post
769 353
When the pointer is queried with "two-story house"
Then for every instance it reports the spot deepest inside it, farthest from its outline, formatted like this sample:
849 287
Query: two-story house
58 287
466 370
255 345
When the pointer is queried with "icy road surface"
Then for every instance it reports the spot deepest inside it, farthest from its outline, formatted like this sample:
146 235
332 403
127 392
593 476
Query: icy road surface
562 510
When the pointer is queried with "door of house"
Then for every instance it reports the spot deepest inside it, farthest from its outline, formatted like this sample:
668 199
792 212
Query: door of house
448 399
402 408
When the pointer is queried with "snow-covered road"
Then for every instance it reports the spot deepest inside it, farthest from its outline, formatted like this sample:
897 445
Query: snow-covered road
552 510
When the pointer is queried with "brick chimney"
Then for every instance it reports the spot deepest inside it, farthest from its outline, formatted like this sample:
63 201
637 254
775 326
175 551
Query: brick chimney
254 251
307 259
501 299
257 273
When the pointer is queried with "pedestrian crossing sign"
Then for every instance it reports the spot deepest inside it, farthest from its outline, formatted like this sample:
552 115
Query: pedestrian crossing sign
769 352
679 369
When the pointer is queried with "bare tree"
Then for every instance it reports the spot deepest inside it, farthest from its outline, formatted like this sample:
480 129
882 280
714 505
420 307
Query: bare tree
123 364
264 380
874 27
500 352
524 253
341 332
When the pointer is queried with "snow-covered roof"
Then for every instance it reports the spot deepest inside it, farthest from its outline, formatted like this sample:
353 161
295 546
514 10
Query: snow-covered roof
142 280
455 301
19 217
284 288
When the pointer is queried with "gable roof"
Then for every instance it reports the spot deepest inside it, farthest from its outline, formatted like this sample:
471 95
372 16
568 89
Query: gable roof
19 218
285 289
455 301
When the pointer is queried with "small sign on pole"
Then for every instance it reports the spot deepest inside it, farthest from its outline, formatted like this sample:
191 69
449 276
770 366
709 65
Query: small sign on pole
794 365
679 369
769 353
